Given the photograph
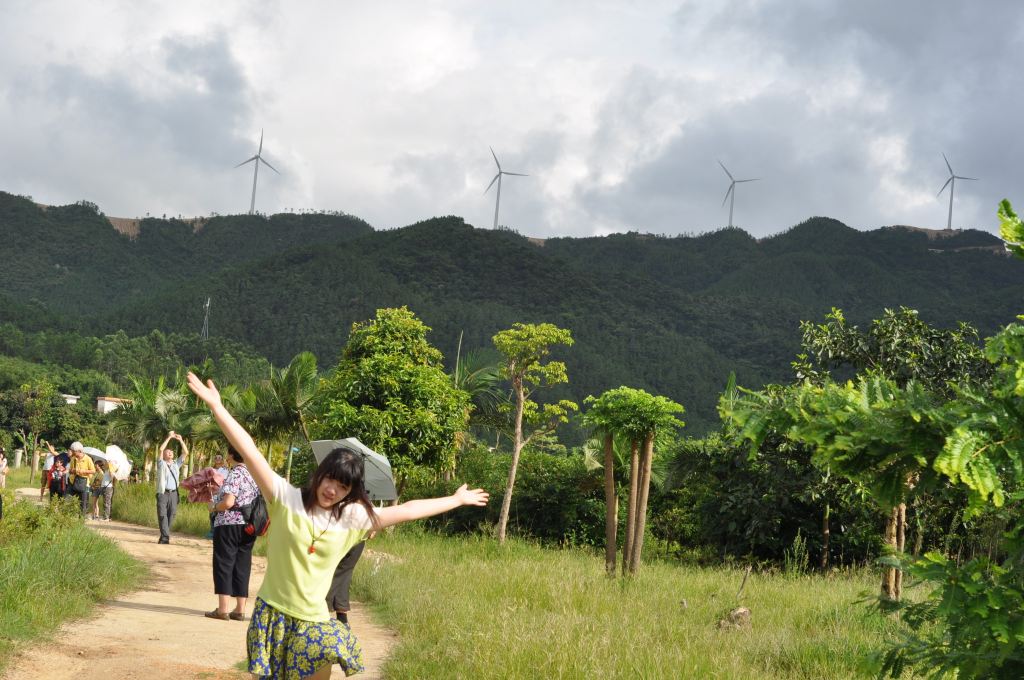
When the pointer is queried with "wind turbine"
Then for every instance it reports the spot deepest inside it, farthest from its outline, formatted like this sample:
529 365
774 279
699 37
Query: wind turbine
730 194
256 160
951 183
497 178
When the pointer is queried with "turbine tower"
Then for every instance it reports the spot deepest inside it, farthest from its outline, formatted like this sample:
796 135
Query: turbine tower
205 335
951 183
497 178
256 160
730 194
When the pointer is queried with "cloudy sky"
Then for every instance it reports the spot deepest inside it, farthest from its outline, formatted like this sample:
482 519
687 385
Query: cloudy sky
617 111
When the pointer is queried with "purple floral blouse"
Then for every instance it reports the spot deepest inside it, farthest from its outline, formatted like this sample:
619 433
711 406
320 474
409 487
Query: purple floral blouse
243 487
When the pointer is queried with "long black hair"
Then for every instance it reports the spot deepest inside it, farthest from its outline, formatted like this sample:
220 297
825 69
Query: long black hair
345 466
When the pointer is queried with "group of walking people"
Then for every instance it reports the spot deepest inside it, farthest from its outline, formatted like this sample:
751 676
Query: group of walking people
76 474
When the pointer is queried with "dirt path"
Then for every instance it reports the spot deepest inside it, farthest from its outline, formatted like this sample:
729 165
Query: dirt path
160 631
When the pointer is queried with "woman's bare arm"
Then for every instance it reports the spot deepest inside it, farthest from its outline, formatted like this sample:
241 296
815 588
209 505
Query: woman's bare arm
259 468
428 507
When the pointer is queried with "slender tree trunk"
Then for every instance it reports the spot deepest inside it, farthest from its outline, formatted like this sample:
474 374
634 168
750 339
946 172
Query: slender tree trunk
889 578
611 518
27 441
826 534
901 540
641 511
627 547
517 447
288 466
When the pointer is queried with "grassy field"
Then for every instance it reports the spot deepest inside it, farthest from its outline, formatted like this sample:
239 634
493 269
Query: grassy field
467 608
52 568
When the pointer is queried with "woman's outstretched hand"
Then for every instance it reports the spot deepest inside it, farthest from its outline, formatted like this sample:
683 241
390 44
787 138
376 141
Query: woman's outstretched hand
207 392
469 496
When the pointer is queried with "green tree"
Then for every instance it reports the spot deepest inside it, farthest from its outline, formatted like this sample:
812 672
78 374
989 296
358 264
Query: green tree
153 410
390 390
524 348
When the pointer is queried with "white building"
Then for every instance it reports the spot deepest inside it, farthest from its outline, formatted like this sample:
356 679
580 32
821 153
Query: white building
70 399
108 404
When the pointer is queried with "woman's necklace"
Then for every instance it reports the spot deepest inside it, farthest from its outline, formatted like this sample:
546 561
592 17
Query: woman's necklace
312 544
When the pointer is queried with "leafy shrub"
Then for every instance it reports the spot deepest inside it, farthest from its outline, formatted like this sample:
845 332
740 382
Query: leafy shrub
557 499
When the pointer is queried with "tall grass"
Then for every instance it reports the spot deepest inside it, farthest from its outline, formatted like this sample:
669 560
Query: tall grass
53 568
468 608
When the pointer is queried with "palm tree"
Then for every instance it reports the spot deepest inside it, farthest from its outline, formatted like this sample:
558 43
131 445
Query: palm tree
153 410
479 375
283 403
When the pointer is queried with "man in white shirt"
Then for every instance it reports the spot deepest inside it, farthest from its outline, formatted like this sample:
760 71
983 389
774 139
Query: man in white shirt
168 477
47 466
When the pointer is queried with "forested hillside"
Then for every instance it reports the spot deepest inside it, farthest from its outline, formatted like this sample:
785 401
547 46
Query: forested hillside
671 315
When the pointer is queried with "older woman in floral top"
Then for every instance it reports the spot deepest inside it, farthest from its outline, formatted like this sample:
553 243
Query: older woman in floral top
232 546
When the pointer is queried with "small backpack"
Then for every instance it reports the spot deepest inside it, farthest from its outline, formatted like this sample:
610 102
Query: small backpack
256 516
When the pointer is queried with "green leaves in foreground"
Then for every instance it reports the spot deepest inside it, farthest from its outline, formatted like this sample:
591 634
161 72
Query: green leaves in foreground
1011 229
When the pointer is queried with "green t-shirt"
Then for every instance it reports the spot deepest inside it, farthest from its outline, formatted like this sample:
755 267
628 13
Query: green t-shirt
297 581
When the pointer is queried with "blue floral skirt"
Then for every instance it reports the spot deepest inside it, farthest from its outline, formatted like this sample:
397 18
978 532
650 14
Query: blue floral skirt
283 647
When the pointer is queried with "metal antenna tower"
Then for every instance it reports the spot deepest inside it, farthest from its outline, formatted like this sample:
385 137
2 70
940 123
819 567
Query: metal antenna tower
205 335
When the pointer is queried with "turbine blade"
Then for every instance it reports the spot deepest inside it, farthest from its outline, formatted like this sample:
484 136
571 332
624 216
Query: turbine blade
726 170
740 181
728 191
248 160
517 174
973 179
944 187
947 164
261 143
268 165
495 159
492 182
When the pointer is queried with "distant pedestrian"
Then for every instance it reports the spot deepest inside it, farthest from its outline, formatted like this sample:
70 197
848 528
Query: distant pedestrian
58 474
44 479
3 468
168 472
80 474
103 487
232 546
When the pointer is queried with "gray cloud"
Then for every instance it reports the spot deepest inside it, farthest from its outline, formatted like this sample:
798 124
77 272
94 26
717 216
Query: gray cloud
618 111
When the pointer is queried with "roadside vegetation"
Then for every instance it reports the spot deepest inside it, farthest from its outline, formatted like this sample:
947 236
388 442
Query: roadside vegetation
482 610
52 568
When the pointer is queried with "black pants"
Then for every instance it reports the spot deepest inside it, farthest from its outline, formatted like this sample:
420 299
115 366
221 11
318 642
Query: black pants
232 560
83 498
337 596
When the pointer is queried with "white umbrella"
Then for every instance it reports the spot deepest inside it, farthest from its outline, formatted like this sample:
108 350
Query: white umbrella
123 466
377 476
94 453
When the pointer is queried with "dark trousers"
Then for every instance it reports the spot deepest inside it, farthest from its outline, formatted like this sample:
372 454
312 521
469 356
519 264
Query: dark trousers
166 509
232 560
83 498
337 596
